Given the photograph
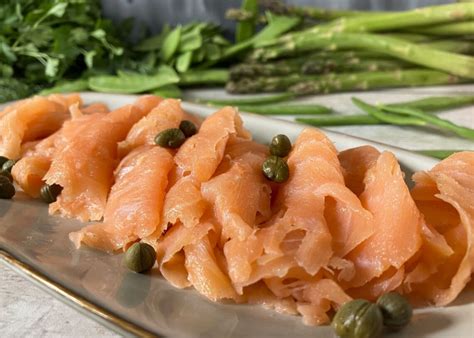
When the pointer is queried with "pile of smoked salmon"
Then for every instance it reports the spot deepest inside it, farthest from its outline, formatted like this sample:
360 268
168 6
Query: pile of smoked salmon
345 225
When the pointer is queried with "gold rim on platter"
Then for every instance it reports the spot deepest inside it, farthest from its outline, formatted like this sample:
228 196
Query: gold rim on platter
73 297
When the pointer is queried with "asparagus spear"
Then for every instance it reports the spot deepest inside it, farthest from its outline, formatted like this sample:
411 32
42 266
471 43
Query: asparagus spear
246 28
312 84
205 76
454 46
456 28
253 100
452 63
391 21
285 109
279 7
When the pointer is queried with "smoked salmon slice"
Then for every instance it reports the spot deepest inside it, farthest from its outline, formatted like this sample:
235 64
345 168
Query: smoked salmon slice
85 166
32 119
133 209
446 190
397 221
30 170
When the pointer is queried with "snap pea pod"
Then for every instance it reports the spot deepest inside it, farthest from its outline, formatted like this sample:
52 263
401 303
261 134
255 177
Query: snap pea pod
428 119
249 100
286 109
169 91
67 87
132 83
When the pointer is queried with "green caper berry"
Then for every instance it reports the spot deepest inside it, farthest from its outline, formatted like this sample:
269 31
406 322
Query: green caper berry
8 165
358 319
140 257
7 174
275 169
7 190
280 146
49 193
396 310
3 159
170 138
188 128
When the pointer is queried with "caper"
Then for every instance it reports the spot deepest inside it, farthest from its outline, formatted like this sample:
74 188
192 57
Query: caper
7 174
8 165
280 145
7 190
3 159
275 169
49 193
188 128
170 138
140 257
395 309
358 319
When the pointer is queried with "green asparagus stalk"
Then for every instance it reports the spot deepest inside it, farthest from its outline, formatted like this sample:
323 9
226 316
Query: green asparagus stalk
453 46
312 66
452 63
246 28
279 7
391 21
456 28
206 76
313 84
248 101
339 120
285 109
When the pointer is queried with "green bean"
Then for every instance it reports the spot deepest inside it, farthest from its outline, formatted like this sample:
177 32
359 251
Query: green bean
382 115
339 120
283 109
248 100
417 114
437 103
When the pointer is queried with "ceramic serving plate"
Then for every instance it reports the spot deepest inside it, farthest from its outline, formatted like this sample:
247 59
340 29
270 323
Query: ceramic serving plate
36 245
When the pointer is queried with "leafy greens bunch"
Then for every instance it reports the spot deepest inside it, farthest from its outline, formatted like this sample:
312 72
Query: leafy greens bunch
42 41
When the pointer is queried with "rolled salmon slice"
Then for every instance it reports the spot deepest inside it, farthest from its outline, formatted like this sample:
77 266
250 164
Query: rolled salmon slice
133 209
197 160
85 166
30 170
204 272
397 221
167 114
32 119
448 189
